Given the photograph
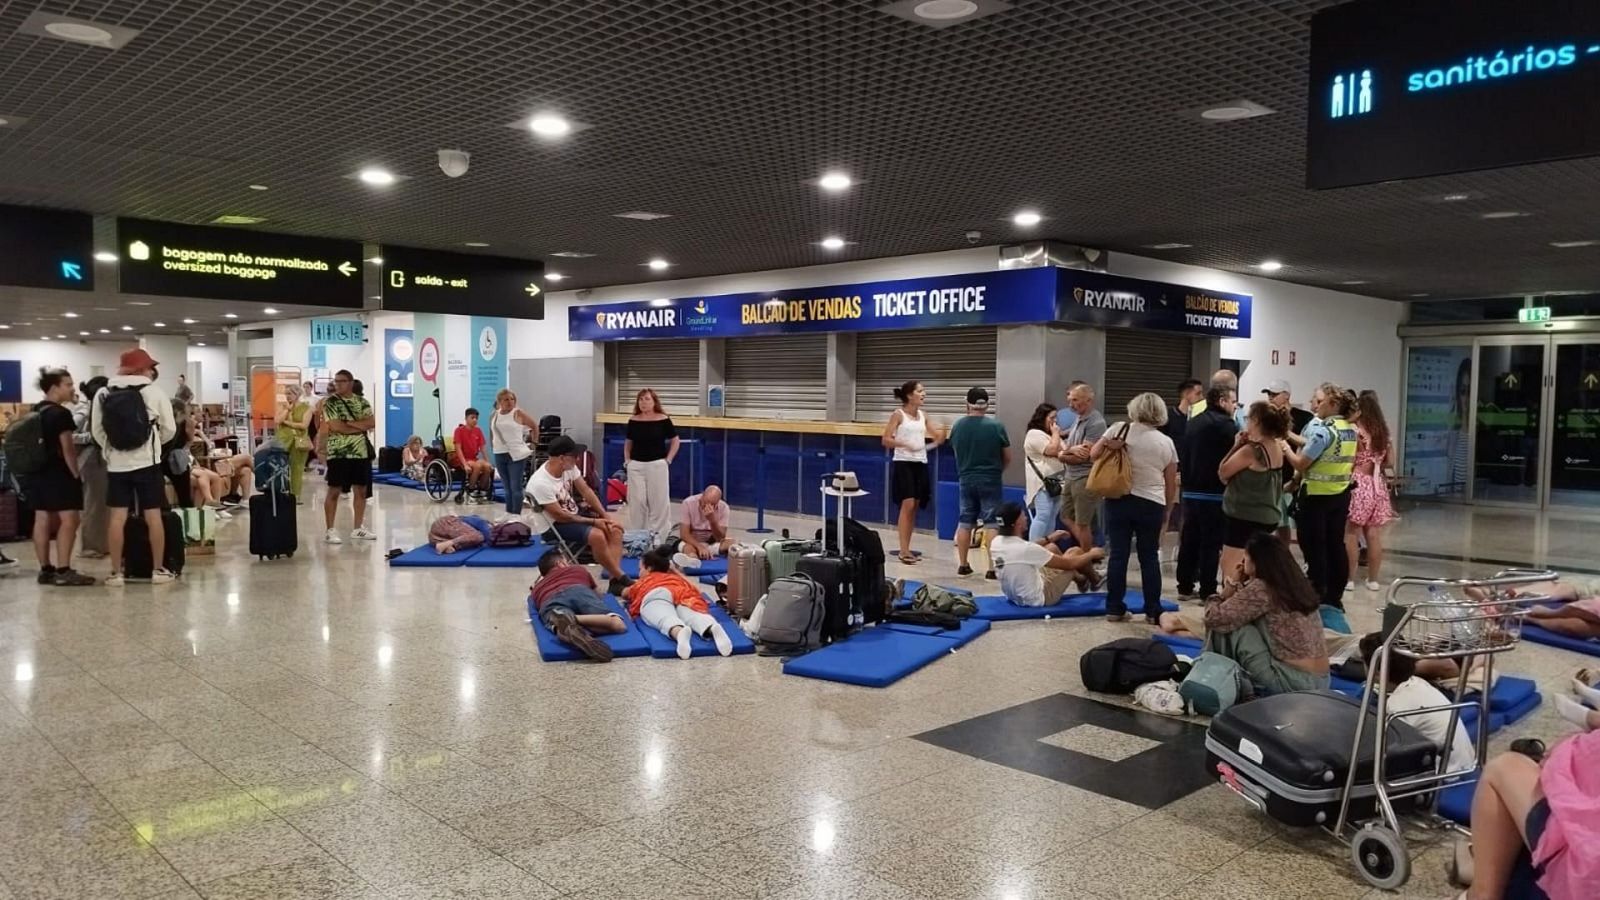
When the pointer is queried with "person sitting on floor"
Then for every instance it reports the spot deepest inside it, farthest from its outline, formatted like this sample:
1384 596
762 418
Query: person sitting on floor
556 512
571 606
413 458
671 604
1408 691
1266 621
703 528
451 533
1037 574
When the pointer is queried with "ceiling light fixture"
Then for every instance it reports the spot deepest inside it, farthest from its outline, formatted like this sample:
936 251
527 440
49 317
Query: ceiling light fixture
127 328
83 334
1353 281
159 324
237 220
188 321
270 311
658 265
199 343
640 216
1455 198
549 125
69 315
77 31
62 336
375 260
376 177
230 315
1171 245
1027 218
835 182
939 14
257 187
105 331
138 302
574 254
44 337
833 243
473 244
105 256
553 276
1423 294
1270 265
1503 214
1235 110
1568 245
4 327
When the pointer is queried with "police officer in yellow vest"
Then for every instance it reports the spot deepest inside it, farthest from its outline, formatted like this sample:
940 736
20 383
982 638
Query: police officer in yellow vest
1325 465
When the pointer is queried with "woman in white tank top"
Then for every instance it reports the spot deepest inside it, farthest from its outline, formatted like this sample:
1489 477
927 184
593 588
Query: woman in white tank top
508 434
910 486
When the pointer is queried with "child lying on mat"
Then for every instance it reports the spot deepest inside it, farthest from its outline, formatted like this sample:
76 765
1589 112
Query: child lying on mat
1037 574
668 602
571 606
451 533
1408 690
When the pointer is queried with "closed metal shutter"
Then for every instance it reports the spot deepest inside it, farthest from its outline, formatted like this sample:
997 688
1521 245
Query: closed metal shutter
781 376
1139 361
670 368
948 362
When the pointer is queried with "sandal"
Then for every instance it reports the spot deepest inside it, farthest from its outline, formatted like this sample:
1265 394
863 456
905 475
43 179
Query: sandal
908 559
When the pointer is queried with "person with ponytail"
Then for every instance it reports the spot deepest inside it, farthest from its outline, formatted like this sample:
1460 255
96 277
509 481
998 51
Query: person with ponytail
1370 507
910 485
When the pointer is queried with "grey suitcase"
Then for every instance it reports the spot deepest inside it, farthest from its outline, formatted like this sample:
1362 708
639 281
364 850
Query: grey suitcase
792 617
783 556
747 579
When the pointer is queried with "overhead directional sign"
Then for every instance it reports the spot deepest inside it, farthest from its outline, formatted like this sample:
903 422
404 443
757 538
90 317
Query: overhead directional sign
230 264
463 284
46 248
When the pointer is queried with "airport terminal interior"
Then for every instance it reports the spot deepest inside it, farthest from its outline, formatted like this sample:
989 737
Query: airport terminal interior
877 449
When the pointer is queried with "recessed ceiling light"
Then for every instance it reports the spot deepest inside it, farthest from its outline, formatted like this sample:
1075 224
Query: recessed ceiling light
1568 245
138 302
77 31
1353 281
473 244
834 181
11 120
1423 294
62 336
376 177
1455 198
549 125
230 315
44 337
188 321
69 315
199 343
1171 245
553 276
257 187
159 324
237 220
4 327
1027 218
375 260
83 334
105 331
270 311
640 216
127 328
106 256
943 13
833 243
1503 214
658 265
574 254
1270 265
1234 110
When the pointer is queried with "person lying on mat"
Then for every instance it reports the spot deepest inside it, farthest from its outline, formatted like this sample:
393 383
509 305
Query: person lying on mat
671 604
1037 574
1577 616
451 533
555 509
1548 809
571 606
702 527
1266 620
1408 691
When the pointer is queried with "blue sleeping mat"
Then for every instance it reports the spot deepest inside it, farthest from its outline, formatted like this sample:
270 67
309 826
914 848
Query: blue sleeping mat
717 566
968 631
628 643
999 609
663 647
507 557
425 557
1532 632
1455 802
876 657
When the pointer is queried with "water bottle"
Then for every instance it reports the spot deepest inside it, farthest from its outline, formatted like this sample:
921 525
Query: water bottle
1462 627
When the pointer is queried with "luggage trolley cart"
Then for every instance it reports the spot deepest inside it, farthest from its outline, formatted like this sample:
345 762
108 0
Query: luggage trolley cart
1471 628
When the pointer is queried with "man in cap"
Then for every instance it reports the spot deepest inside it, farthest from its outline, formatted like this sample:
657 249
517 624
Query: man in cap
555 509
982 453
131 419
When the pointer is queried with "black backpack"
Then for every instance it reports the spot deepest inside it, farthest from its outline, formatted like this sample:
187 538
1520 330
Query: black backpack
125 418
25 450
1123 664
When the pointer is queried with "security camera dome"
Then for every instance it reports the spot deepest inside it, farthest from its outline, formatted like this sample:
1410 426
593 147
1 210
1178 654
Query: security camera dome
454 163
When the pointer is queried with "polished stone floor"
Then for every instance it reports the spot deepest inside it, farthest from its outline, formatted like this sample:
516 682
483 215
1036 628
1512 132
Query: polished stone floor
327 727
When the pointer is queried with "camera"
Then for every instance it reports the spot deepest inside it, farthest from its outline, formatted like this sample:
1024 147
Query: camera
454 163
973 237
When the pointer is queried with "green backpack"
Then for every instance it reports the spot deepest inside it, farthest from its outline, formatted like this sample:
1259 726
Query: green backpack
935 598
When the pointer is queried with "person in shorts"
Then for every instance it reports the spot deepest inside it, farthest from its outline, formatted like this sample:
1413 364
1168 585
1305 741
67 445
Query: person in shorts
56 491
346 419
472 458
555 509
131 443
982 453
1036 573
703 528
570 604
1081 505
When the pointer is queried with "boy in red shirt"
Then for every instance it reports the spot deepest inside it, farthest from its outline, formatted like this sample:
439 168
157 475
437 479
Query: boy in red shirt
670 603
471 457
571 606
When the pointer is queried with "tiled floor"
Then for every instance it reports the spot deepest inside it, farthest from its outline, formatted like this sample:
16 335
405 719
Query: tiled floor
327 727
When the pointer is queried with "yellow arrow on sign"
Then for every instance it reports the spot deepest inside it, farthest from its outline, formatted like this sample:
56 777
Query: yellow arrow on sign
346 269
532 289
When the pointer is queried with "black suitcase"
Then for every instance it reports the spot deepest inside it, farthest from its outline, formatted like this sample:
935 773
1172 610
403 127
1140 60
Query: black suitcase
136 562
389 459
1289 755
273 532
865 548
837 575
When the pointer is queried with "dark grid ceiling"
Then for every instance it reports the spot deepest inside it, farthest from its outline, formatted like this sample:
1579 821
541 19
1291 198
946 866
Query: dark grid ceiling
720 113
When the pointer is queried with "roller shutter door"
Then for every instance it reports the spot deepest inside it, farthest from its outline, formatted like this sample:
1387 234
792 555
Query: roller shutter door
948 361
1139 361
670 368
781 376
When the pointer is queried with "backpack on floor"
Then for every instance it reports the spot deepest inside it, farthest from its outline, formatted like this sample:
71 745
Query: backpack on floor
1213 685
1123 664
940 599
510 534
791 616
125 418
25 451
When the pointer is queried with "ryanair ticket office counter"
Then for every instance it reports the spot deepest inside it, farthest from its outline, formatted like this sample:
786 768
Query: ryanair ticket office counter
773 391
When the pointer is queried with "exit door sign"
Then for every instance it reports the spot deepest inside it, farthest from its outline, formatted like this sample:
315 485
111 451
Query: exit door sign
1532 315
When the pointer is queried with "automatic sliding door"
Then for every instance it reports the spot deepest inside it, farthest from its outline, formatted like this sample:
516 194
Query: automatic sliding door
1575 422
1509 409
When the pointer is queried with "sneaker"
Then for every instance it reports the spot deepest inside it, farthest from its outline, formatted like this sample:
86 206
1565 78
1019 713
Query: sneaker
223 515
362 534
162 576
47 575
332 537
570 632
686 561
1374 586
7 562
964 571
1097 578
115 579
69 578
1349 586
618 585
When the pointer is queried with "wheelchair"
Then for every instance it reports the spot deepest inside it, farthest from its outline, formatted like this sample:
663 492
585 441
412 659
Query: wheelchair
440 479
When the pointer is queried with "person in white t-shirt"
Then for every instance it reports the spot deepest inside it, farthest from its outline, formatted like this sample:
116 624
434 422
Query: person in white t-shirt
554 508
1134 522
1408 690
1036 573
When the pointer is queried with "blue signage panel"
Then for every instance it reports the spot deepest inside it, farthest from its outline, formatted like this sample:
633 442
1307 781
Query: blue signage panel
46 248
397 361
946 301
1429 87
317 356
10 381
344 332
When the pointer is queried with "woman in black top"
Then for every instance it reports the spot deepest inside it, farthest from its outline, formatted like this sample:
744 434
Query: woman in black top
647 454
54 491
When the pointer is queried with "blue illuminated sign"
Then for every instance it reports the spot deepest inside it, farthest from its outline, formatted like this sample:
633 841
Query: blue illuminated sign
71 271
345 332
1348 99
1499 66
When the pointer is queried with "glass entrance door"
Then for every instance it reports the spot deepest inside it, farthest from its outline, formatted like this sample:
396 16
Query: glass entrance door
1574 471
1509 406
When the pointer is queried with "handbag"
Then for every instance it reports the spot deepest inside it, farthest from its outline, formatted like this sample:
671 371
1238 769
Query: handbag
1112 474
1053 484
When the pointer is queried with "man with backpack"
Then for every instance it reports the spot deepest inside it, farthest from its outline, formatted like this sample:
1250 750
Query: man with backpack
132 418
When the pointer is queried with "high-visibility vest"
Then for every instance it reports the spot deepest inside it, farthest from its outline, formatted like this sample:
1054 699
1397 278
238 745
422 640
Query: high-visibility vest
1330 474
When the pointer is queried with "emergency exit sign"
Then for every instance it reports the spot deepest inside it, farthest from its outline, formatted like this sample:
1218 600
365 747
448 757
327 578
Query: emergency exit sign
1532 315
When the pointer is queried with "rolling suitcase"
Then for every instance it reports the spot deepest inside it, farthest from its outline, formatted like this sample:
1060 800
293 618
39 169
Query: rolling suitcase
1289 754
838 577
784 554
136 562
865 548
273 532
747 579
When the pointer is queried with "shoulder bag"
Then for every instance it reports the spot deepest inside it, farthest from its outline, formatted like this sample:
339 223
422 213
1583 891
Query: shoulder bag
1112 474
